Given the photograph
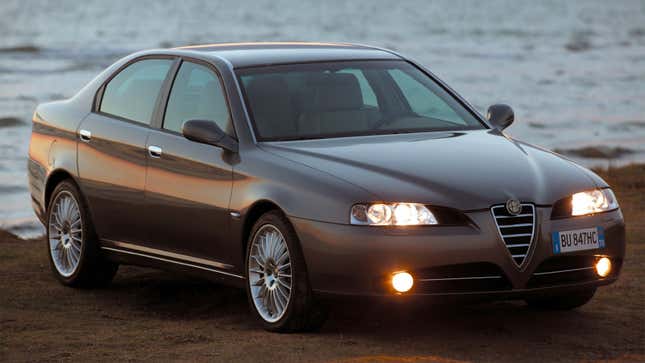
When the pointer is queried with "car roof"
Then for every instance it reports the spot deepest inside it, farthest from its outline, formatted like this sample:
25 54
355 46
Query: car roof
242 55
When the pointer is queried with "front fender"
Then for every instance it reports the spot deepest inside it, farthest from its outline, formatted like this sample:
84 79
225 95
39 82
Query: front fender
299 190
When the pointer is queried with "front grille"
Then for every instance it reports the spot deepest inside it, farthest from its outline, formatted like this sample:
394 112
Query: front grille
517 231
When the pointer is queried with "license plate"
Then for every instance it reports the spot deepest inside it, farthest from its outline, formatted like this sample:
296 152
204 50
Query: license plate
578 240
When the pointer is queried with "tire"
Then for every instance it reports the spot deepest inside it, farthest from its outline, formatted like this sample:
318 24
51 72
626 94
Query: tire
267 279
562 301
73 249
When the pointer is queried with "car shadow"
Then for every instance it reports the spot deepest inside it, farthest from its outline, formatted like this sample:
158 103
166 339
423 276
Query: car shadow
175 297
370 330
171 296
458 319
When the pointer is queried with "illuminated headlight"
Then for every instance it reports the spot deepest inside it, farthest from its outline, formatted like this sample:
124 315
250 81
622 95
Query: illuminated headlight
593 201
392 214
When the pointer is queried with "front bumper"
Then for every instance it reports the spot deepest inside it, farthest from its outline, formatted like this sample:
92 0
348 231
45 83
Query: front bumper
453 260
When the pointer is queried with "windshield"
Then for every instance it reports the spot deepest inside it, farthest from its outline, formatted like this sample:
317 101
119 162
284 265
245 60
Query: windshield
336 99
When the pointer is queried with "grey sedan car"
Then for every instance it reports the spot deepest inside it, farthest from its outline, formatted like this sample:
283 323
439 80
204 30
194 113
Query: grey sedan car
304 170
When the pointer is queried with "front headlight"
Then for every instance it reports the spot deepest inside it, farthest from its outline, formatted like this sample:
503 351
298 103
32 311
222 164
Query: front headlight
593 201
392 214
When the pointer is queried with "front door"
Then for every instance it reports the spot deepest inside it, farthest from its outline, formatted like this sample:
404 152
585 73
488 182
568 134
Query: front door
188 184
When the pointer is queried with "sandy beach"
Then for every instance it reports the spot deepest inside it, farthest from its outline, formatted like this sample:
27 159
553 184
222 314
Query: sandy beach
148 315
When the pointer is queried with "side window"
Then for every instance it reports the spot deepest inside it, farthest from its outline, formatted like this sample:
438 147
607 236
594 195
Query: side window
133 93
196 94
369 98
422 100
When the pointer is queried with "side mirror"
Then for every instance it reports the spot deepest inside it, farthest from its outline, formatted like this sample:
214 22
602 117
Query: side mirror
501 116
207 132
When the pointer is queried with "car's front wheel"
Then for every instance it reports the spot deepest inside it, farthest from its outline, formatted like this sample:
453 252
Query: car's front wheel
71 242
277 285
561 301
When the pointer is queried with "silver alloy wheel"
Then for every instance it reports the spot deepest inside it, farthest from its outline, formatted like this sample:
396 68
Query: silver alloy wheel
269 273
65 233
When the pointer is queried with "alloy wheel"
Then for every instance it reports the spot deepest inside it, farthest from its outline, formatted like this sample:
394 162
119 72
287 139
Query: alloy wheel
270 273
65 233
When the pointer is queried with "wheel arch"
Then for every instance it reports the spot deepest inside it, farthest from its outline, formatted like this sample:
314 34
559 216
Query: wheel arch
252 215
256 210
55 178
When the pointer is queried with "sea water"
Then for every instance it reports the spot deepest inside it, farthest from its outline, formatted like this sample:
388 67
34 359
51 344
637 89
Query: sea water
574 71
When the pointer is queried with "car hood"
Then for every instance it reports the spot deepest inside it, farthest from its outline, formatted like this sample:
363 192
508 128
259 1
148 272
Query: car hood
466 170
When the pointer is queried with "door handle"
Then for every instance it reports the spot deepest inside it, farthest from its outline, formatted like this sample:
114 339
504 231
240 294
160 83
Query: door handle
85 135
154 151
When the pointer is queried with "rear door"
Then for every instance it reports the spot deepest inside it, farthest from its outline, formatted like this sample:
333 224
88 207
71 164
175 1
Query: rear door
112 157
188 184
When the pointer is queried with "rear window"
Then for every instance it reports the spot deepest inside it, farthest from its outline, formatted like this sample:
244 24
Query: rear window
337 99
132 94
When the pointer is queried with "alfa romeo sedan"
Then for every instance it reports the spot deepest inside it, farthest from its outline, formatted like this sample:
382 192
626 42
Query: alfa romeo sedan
304 170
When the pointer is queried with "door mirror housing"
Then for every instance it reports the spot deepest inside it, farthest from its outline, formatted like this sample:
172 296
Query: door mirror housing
501 116
207 132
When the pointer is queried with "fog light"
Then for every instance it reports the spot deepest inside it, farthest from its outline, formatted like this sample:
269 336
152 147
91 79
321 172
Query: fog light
402 281
603 267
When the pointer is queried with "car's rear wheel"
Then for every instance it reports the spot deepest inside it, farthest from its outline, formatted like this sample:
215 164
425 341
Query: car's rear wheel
277 285
561 301
73 247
